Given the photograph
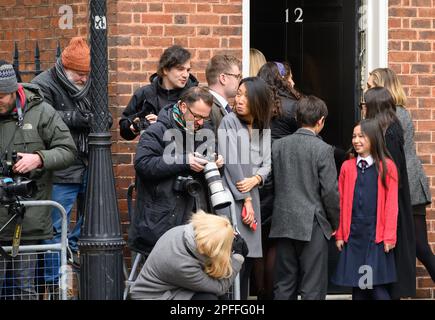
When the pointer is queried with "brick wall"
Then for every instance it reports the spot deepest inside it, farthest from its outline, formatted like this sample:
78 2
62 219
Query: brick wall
141 33
412 56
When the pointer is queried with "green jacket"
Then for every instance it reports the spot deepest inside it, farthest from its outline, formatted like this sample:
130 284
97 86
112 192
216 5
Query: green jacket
45 133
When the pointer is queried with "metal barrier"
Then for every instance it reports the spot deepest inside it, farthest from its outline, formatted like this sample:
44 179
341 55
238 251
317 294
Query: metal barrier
28 254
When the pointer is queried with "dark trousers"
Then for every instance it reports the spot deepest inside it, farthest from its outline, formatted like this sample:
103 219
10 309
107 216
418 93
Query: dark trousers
303 265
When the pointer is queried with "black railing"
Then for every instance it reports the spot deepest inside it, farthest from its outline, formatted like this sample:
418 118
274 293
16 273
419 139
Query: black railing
37 62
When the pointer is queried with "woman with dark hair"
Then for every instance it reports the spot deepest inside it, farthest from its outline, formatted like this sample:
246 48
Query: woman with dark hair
244 142
379 104
283 123
418 181
283 112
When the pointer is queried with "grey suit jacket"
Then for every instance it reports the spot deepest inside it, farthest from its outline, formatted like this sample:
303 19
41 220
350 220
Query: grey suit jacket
306 186
418 182
217 113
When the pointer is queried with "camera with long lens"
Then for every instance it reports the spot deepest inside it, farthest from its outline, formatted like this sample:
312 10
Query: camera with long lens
13 187
187 184
219 198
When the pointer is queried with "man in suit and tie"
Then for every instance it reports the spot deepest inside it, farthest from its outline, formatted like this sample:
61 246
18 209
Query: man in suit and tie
223 77
306 206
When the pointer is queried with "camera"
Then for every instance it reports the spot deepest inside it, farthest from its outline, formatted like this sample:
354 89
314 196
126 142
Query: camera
10 189
218 196
12 186
187 184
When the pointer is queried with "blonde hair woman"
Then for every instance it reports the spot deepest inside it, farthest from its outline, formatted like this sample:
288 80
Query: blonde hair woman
256 61
418 181
192 262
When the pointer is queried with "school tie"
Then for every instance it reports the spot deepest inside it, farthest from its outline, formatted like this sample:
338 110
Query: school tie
228 108
363 165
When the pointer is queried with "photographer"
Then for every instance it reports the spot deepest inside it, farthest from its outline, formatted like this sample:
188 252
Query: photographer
43 143
66 87
170 178
167 85
197 261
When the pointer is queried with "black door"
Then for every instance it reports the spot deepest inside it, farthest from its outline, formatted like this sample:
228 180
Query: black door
319 38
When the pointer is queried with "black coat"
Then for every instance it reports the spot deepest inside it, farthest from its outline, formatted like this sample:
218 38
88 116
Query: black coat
405 247
159 207
150 99
280 127
58 97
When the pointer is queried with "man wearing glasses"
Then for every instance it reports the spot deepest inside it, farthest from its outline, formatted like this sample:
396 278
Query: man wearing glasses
223 77
170 180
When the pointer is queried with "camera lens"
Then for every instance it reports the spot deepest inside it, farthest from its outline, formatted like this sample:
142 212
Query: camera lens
218 196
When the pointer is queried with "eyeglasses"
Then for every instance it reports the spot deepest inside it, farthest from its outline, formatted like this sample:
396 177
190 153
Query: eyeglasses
237 76
361 105
198 117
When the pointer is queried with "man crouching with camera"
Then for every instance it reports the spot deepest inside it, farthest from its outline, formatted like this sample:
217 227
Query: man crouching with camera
170 174
34 141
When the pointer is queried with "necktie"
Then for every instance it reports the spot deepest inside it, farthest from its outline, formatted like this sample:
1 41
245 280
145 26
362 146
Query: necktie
363 165
228 108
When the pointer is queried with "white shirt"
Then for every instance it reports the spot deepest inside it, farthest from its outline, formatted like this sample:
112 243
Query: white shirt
368 159
220 99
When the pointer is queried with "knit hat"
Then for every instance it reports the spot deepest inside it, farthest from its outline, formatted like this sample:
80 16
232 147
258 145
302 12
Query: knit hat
76 56
8 79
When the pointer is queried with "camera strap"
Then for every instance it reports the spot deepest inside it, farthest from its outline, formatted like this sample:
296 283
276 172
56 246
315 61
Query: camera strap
19 210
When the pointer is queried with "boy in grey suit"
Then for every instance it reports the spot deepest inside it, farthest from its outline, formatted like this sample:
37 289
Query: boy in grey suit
306 206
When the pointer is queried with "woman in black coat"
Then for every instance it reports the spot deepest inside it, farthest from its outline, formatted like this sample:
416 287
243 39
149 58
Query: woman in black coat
282 124
379 104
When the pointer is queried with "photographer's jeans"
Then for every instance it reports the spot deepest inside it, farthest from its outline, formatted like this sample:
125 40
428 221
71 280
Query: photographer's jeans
65 194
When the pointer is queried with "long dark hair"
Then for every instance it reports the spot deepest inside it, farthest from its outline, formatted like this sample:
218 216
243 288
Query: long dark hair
269 72
259 101
380 105
371 128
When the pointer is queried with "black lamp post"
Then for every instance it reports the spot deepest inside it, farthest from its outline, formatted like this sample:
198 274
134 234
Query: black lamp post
101 242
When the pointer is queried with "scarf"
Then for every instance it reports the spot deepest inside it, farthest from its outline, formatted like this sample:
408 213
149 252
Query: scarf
79 98
178 117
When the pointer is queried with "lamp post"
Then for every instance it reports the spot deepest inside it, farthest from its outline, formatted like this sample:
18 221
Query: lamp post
101 242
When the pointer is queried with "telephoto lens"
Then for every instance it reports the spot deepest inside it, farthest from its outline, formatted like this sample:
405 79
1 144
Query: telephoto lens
218 196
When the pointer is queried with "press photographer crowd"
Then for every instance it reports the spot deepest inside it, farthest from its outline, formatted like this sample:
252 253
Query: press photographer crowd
232 179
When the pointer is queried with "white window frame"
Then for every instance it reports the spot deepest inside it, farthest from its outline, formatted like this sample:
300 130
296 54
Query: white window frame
377 34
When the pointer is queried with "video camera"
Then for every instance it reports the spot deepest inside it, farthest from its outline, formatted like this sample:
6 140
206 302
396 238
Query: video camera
12 186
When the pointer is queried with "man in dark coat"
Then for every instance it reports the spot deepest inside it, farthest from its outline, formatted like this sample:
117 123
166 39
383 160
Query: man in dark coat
66 87
172 79
43 143
170 178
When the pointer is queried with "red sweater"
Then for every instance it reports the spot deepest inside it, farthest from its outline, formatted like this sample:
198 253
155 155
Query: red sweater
387 207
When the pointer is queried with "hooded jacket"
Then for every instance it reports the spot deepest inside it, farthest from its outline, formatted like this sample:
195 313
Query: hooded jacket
150 99
45 133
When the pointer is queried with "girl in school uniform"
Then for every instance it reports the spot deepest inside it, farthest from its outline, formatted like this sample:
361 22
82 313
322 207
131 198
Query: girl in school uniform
367 231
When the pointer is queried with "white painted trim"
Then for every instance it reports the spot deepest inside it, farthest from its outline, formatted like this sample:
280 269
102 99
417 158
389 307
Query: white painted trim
245 37
377 34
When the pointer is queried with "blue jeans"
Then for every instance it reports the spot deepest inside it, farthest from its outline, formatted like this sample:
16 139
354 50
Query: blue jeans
66 194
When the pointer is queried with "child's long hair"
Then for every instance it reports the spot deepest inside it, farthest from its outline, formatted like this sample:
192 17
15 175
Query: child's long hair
214 239
378 150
